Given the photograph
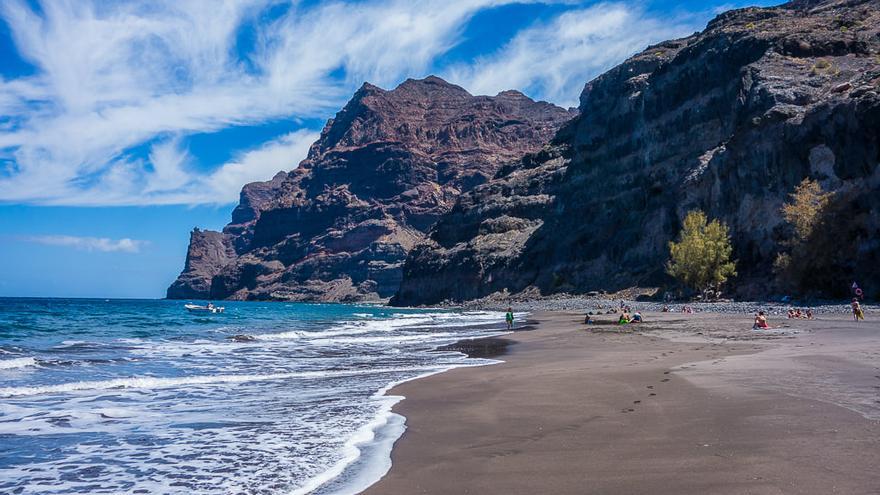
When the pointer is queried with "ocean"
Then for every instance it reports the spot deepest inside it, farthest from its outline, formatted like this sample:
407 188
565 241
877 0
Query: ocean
140 396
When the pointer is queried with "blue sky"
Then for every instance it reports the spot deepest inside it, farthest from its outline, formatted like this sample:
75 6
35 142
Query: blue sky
123 124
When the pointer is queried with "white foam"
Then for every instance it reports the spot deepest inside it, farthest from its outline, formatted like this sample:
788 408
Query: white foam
382 339
362 436
341 446
8 364
396 321
154 383
372 470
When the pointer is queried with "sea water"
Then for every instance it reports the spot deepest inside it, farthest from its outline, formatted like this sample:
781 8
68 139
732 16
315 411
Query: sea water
140 396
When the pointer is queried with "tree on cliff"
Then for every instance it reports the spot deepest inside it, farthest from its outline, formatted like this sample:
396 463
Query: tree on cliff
701 257
805 210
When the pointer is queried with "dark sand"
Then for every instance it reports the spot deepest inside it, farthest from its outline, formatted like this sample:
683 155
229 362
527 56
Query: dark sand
693 404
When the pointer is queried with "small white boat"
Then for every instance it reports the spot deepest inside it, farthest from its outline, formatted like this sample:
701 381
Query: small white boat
195 308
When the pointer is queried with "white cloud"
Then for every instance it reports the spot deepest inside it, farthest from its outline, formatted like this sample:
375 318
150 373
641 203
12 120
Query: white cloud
168 160
258 164
103 244
116 76
554 60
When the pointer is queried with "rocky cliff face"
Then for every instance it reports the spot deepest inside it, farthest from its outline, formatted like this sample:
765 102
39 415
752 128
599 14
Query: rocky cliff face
208 253
339 227
728 120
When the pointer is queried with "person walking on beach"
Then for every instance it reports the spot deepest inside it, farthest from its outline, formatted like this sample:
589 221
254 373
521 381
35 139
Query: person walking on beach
509 318
858 314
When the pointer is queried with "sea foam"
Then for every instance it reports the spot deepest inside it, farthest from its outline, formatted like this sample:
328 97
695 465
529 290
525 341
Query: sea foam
158 383
8 364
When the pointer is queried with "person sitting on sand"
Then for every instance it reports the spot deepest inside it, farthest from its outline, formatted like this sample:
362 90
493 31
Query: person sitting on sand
760 321
588 320
809 313
624 319
665 308
798 313
790 313
637 317
509 318
858 314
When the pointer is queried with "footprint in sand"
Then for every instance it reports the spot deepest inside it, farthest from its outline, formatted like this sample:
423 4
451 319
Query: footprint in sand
650 386
637 402
665 372
652 394
665 380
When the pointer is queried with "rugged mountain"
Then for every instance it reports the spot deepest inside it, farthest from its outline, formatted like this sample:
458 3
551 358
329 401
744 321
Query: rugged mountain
339 226
728 120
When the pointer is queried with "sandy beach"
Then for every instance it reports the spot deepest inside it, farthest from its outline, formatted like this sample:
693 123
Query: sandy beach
686 404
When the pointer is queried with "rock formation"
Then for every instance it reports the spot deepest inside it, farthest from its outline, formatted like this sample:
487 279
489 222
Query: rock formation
728 120
339 226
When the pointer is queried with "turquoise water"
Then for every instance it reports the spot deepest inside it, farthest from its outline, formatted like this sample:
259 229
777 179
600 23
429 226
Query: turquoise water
140 396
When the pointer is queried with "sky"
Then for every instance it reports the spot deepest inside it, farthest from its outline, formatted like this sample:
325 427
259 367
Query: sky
124 123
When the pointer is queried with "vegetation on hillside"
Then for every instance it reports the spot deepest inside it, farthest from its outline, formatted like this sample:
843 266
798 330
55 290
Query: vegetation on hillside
804 212
700 259
833 241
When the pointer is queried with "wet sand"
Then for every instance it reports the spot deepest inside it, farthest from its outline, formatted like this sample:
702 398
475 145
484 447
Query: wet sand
688 404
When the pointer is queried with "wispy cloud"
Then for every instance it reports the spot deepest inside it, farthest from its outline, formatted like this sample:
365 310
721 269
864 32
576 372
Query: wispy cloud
103 244
257 164
114 77
555 59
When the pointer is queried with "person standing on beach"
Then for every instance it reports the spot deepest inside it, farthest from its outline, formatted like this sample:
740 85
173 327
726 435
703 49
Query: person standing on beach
509 318
858 314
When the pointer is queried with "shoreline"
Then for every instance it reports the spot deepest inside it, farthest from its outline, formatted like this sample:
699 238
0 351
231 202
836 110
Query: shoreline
369 451
570 411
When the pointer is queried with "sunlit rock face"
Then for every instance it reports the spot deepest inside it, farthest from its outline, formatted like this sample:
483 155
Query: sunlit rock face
728 120
340 225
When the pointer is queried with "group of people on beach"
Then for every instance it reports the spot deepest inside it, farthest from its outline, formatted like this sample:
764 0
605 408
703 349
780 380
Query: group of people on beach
625 318
797 313
761 319
689 310
760 322
625 312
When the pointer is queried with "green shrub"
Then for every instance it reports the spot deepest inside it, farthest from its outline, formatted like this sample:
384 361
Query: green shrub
700 259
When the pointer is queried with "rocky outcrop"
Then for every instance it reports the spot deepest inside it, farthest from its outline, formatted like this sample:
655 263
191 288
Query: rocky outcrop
339 226
208 252
728 120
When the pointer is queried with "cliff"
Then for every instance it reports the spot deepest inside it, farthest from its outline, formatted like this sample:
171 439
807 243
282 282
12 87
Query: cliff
340 225
728 120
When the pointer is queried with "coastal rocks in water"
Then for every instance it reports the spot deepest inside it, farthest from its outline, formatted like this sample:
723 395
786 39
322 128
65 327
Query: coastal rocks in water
728 120
339 226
